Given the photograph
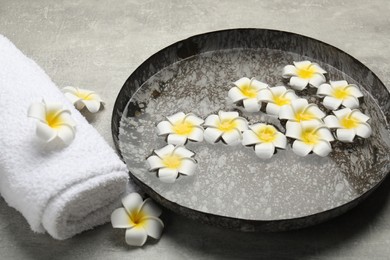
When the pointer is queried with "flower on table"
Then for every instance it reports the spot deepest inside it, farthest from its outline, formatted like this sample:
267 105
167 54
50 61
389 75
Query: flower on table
311 136
349 123
250 92
300 110
304 73
181 127
265 138
81 98
280 97
227 126
172 161
339 93
139 217
53 121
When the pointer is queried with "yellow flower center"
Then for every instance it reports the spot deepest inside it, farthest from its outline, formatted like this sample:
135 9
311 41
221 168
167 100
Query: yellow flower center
227 125
310 136
85 95
304 116
267 134
172 161
349 122
281 101
53 119
341 92
306 72
136 218
183 128
249 91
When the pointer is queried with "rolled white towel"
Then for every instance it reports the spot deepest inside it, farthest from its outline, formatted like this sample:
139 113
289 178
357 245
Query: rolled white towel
63 191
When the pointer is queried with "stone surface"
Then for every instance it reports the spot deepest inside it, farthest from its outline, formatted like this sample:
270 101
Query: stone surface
97 46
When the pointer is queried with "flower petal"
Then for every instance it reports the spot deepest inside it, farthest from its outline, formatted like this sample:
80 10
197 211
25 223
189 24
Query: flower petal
66 134
354 90
341 113
249 138
272 109
351 102
120 219
258 84
176 139
298 83
54 107
359 115
300 148
69 89
324 90
136 236
176 117
311 124
302 64
164 128
338 83
196 135
345 135
227 115
293 130
317 80
232 138
325 134
316 111
264 150
322 148
289 71
168 175
251 105
93 106
212 120
72 98
183 152
242 82
318 68
194 119
299 104
266 95
278 90
132 203
45 132
153 226
280 141
188 167
332 122
331 102
166 150
154 162
257 127
364 130
37 111
242 124
286 112
150 208
235 94
212 135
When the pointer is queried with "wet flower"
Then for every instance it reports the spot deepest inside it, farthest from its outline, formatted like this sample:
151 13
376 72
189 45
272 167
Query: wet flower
339 93
304 73
300 110
81 98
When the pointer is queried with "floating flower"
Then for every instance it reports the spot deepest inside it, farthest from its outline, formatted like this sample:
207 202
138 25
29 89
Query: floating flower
310 136
181 127
300 110
227 126
265 138
339 93
171 161
139 217
81 98
53 121
249 91
280 97
304 73
349 123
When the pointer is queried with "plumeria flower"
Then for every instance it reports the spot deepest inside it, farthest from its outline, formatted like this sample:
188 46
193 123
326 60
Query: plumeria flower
172 161
300 110
311 136
181 127
227 126
249 91
339 93
265 138
139 217
81 98
280 96
304 73
349 123
53 121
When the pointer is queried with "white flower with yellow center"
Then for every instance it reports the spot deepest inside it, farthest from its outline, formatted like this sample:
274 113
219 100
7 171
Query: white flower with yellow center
181 127
349 123
81 98
250 92
265 138
304 73
53 122
339 93
227 126
311 136
170 162
300 110
280 97
139 217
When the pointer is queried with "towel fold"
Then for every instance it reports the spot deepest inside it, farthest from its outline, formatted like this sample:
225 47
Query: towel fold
62 191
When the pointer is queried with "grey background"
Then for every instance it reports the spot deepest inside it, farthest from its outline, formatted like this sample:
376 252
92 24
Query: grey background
97 45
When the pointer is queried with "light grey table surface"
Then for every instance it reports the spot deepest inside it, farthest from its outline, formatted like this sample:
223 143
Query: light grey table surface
97 44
